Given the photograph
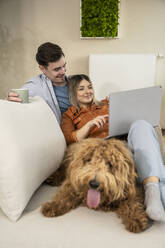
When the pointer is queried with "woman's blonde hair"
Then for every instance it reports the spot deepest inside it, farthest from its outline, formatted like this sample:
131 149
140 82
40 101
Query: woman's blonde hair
74 82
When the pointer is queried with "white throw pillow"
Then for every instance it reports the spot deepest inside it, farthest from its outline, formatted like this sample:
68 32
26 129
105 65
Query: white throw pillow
31 148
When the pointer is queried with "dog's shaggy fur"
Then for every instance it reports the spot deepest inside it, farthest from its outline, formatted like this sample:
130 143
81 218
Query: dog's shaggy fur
100 175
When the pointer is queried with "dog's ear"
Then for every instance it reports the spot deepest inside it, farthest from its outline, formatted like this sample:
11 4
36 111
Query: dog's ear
125 159
131 192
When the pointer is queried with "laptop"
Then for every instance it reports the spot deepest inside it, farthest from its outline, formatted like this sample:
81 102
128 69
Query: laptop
125 107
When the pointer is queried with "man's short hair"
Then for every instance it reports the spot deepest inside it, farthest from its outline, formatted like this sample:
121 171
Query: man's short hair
48 52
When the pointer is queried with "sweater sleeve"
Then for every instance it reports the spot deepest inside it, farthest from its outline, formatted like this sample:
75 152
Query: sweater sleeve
32 87
68 129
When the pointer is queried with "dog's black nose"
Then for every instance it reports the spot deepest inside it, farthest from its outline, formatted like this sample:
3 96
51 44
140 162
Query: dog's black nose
94 184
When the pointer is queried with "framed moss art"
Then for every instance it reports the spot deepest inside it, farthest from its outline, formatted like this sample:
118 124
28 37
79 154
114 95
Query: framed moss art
99 18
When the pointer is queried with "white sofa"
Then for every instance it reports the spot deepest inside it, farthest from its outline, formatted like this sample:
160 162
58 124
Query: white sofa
21 223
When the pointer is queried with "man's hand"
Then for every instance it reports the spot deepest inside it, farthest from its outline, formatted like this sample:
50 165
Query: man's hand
12 96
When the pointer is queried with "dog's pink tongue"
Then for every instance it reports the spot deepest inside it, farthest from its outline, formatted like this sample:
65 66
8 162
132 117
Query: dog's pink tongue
93 198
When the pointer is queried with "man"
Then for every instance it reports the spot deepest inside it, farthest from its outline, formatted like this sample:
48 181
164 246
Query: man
52 84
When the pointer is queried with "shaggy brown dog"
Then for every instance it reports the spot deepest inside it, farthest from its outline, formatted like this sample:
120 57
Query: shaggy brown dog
100 175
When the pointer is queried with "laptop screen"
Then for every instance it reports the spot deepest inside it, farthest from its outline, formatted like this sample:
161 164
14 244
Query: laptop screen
125 107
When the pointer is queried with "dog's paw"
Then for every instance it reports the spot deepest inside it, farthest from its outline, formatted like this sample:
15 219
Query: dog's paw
55 180
48 209
137 225
50 181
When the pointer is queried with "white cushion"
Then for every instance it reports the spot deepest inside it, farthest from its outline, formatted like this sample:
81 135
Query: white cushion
31 148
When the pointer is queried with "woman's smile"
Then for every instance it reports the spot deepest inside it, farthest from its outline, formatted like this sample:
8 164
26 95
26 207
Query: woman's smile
85 93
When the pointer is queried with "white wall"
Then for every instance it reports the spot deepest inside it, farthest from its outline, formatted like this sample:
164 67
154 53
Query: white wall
25 24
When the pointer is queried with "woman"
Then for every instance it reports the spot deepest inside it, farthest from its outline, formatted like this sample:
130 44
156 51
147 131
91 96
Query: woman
89 118
86 117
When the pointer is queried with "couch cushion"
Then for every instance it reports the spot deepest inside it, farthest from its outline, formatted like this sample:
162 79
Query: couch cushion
32 146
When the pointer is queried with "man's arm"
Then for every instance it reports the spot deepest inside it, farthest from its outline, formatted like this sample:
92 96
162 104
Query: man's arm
31 86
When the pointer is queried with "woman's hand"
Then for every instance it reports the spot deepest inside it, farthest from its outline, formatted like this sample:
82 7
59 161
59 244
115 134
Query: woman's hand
99 121
83 132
